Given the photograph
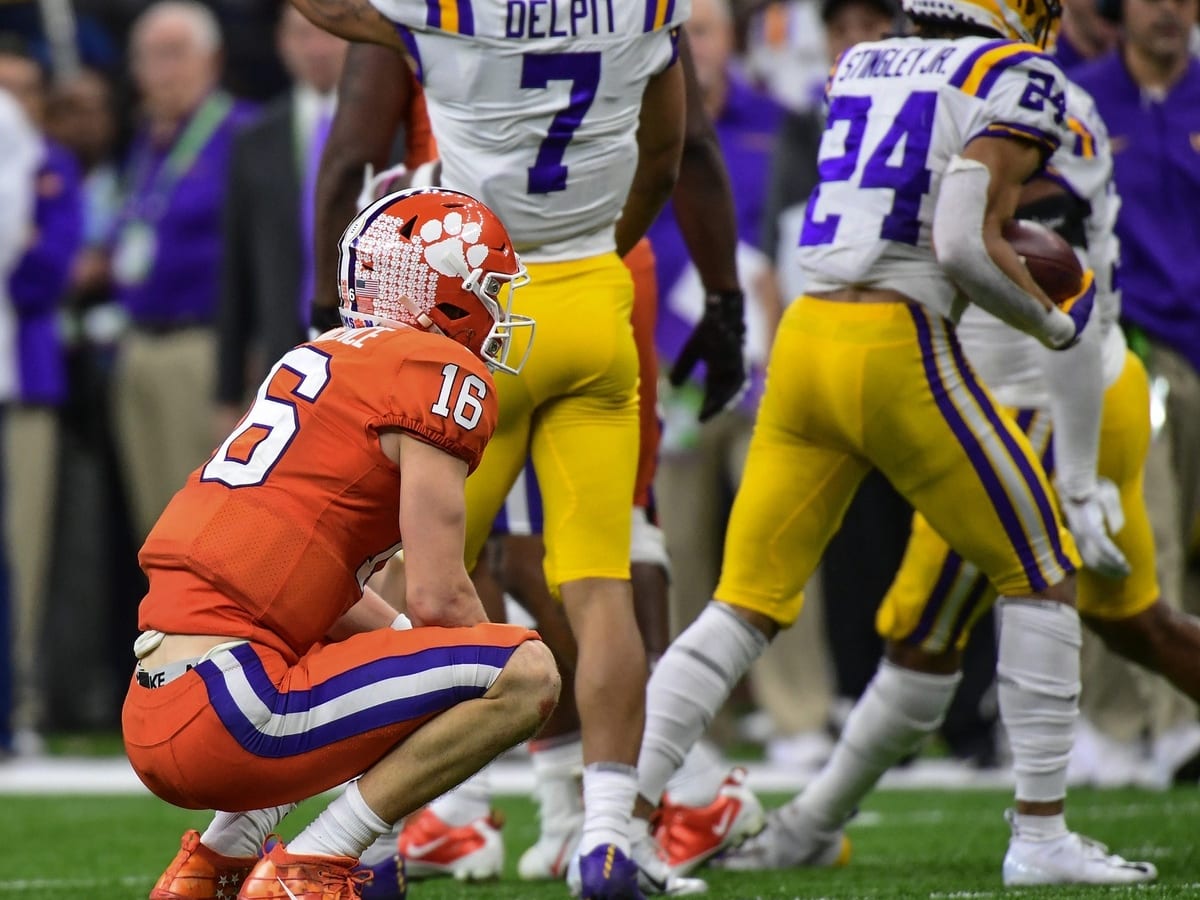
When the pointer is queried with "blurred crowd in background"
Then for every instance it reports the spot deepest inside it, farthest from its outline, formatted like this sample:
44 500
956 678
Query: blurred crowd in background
161 256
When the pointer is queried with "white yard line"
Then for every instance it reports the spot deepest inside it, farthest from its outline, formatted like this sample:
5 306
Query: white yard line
513 776
510 776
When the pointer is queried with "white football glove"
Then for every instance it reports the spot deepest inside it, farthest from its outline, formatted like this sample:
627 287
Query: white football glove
1092 518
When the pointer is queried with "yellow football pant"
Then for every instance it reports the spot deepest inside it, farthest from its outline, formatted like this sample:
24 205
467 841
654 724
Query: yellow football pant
855 385
574 410
937 596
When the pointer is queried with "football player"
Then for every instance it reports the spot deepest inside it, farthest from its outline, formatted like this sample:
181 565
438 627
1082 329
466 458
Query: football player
568 119
264 661
377 95
1096 399
929 140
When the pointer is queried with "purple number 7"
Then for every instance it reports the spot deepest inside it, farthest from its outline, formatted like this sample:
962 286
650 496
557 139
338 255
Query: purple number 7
907 176
548 174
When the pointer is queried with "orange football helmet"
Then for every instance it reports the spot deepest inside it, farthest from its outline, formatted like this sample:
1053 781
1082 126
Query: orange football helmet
436 260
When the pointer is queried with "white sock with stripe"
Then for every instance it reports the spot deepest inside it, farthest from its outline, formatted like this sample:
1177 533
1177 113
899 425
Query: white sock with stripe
346 827
241 834
688 686
897 710
1038 677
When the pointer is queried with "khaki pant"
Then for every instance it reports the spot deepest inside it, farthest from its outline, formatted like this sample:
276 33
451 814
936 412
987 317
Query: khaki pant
31 437
791 680
1119 698
163 407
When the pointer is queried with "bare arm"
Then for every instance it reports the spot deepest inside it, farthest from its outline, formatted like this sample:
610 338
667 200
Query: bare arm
703 197
354 20
770 301
433 519
704 211
373 101
660 143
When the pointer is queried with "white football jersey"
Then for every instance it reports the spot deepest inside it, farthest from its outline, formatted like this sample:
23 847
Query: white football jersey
535 104
1007 359
899 110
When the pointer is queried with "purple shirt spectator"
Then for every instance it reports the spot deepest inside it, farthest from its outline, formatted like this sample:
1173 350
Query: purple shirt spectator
746 128
39 283
1067 54
167 242
1156 152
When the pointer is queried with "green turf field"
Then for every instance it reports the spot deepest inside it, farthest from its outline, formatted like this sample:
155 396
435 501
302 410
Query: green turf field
906 844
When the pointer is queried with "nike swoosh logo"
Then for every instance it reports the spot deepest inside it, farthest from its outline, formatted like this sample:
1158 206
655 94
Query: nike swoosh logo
722 825
287 890
424 850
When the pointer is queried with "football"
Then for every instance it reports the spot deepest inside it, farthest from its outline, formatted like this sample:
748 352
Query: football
1049 258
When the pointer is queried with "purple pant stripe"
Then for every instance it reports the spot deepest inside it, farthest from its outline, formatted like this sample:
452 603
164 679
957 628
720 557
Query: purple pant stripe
385 713
1044 505
975 453
951 566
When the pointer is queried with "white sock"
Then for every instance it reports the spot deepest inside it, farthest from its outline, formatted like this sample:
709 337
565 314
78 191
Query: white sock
242 834
700 777
689 684
897 710
609 790
385 846
469 801
557 770
346 827
1039 828
1038 677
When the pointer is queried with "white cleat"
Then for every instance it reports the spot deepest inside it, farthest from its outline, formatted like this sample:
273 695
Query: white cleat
779 846
1069 859
547 860
654 872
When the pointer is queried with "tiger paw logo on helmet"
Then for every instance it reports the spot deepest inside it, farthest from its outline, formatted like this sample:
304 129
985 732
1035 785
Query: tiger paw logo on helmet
452 245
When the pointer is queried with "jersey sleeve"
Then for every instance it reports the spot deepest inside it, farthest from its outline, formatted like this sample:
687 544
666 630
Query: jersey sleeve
1021 93
445 396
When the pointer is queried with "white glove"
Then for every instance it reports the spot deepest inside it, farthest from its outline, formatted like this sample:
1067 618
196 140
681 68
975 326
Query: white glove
1092 518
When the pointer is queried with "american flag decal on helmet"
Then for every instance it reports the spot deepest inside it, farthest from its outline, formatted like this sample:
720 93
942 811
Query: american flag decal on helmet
367 287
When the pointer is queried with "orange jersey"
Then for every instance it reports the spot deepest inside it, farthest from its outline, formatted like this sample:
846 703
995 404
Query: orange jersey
300 505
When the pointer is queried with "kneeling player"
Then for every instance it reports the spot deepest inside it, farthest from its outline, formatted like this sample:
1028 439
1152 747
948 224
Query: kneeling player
267 673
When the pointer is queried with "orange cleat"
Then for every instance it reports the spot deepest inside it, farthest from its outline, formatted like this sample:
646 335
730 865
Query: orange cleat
691 835
283 876
471 852
197 873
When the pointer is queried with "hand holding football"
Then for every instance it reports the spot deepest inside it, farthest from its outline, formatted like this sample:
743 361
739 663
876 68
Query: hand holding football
1049 258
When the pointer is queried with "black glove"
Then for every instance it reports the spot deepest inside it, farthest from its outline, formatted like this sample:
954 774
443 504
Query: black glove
718 340
322 319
